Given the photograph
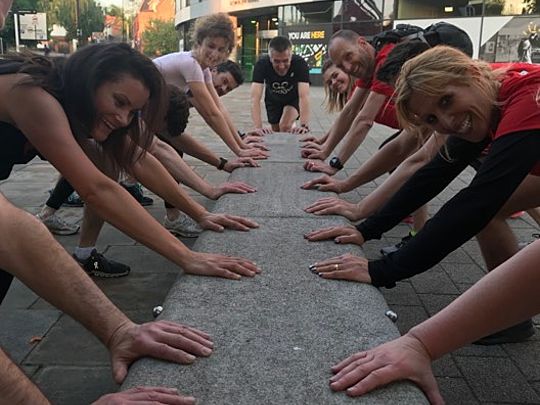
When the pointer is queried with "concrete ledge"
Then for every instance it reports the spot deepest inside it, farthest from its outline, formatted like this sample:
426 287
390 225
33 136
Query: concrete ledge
275 335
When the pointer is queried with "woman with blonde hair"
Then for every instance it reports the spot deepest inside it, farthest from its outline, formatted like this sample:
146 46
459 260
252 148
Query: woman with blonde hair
338 87
475 104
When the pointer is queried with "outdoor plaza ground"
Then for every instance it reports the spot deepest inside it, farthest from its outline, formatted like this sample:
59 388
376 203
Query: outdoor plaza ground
72 367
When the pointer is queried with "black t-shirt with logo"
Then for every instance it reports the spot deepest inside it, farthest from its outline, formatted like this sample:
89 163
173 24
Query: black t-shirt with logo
281 89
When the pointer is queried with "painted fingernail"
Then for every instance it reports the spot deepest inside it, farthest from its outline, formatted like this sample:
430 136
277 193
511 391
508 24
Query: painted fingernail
312 266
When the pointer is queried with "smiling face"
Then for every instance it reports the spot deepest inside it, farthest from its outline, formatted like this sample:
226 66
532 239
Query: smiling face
336 79
356 59
212 51
281 61
224 82
458 111
117 103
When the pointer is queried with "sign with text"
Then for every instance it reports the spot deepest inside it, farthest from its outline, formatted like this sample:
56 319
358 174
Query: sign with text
311 43
33 26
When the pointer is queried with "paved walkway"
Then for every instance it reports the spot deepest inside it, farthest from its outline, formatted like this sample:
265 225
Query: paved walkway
72 367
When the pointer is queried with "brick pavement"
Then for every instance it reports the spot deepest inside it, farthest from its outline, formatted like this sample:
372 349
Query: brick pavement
72 367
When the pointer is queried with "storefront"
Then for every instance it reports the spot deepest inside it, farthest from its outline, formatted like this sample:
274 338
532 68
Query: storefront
501 30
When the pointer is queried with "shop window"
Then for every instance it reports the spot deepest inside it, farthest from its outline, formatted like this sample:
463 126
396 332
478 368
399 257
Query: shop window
408 9
507 7
308 13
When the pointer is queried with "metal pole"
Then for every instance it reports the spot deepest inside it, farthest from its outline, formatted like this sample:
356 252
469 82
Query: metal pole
16 26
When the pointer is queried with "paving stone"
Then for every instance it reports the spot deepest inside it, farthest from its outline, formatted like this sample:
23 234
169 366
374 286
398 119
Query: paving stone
19 296
434 303
445 367
67 385
496 379
402 294
463 273
142 260
526 356
433 281
455 391
19 326
409 316
69 343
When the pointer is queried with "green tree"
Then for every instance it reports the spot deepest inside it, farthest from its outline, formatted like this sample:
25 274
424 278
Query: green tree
8 34
64 13
160 38
532 6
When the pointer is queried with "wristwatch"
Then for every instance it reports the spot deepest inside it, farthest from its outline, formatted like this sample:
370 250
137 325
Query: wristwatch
222 163
336 163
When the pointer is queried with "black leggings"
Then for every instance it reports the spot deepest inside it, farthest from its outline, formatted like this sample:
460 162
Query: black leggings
60 193
5 281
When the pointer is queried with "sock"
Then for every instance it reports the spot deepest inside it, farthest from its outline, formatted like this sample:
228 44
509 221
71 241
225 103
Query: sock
83 253
129 183
413 232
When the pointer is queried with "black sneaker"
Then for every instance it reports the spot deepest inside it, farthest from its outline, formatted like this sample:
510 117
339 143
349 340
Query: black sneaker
385 251
137 193
98 265
74 200
514 334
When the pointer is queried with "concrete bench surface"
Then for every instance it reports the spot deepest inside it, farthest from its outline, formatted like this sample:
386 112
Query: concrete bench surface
275 335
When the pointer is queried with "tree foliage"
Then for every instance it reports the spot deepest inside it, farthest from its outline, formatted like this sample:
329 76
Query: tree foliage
64 13
160 38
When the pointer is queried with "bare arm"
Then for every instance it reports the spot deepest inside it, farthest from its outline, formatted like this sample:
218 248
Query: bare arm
344 121
204 103
41 118
385 191
303 93
178 168
384 160
188 144
226 116
361 125
256 95
15 387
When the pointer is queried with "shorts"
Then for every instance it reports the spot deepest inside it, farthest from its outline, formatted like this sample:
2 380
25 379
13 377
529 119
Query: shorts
274 110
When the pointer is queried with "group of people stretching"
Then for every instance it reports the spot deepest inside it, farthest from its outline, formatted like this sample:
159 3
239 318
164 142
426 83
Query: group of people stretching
107 110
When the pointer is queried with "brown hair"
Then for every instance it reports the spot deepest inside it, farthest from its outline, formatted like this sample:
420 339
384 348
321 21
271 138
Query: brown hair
214 25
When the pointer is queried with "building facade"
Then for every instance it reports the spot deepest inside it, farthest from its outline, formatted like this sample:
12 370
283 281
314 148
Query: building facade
150 10
501 30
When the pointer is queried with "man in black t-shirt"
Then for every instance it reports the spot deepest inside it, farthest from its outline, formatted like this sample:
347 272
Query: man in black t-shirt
286 79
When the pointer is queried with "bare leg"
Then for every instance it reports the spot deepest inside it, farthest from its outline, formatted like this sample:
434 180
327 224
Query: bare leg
420 217
287 118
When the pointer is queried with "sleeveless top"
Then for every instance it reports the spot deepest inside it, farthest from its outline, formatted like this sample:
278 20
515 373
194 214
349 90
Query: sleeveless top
15 148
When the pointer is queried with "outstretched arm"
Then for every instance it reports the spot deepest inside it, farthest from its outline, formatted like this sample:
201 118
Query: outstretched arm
342 124
468 318
361 125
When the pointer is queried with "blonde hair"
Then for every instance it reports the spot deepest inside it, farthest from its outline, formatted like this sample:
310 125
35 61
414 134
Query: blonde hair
214 25
334 100
432 71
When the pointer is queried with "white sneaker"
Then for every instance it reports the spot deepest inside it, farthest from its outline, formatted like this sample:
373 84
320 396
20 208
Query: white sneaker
183 226
58 226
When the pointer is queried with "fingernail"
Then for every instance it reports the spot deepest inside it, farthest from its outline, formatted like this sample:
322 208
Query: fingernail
312 266
206 351
337 241
319 274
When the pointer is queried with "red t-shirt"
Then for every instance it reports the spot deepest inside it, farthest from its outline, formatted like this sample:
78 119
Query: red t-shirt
387 114
519 110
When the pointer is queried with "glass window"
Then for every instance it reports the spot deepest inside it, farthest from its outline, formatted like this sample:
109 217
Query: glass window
362 10
507 7
308 13
407 9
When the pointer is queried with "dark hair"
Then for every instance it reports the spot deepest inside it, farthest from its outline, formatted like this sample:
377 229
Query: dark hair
74 81
214 25
279 44
401 53
233 68
177 112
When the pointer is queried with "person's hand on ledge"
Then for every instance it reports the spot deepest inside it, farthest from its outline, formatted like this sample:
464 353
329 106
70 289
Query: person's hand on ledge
218 222
146 395
300 130
319 166
312 138
162 340
346 234
254 153
324 183
210 264
233 164
236 187
334 206
261 131
402 359
345 267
